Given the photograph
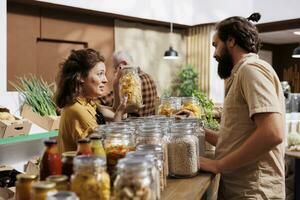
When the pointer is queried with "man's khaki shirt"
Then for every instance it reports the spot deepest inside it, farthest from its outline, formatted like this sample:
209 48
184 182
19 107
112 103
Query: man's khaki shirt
252 88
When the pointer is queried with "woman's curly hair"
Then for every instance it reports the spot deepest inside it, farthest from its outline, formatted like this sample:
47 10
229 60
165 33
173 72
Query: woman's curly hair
242 30
72 70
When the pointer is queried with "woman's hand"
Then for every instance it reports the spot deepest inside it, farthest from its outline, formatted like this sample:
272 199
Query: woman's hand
185 113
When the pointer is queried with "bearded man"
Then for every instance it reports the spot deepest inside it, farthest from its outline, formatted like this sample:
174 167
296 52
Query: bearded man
249 148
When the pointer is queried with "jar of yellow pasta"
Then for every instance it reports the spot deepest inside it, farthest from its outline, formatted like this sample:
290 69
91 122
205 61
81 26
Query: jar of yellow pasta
130 84
168 106
192 104
90 180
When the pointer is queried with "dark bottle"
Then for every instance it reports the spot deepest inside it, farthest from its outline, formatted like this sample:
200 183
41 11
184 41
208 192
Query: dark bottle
67 163
84 147
51 161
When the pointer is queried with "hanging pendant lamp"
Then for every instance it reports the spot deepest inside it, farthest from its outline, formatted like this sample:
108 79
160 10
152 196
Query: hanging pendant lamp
296 52
171 53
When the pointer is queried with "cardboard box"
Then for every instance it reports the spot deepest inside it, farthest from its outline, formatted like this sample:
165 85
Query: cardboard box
46 122
14 128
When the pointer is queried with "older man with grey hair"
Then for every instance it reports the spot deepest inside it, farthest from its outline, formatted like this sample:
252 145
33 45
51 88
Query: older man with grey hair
149 92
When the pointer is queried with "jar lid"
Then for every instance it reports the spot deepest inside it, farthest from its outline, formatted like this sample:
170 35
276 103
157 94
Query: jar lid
61 196
153 147
26 177
50 142
95 136
83 141
84 160
132 164
70 154
141 154
43 185
57 178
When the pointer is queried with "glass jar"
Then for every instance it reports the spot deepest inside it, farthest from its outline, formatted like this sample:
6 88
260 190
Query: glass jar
133 180
61 196
67 163
149 133
90 180
168 106
51 160
84 147
40 190
23 186
130 84
61 182
96 146
117 143
150 157
159 154
183 152
193 105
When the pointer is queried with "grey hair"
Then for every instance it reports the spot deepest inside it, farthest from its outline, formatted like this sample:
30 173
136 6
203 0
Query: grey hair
120 56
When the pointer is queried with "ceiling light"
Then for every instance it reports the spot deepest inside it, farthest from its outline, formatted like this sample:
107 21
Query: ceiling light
171 53
297 32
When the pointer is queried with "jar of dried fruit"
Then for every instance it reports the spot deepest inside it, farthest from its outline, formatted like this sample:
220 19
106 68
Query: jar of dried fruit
133 180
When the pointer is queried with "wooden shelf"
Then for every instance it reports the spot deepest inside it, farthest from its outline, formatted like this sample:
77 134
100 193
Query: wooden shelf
30 137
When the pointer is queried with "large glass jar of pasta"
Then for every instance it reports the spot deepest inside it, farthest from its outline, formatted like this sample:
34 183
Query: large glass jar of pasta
130 84
193 105
117 143
90 180
24 185
183 151
41 189
133 180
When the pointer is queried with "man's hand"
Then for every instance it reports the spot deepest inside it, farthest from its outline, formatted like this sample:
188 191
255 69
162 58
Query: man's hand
185 112
209 165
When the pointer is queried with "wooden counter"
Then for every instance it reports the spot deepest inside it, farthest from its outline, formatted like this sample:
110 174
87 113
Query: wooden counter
295 154
188 189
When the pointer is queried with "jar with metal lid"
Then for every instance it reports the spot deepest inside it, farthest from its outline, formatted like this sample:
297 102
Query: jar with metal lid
193 105
130 85
67 163
96 146
63 195
40 190
117 143
84 147
90 180
183 151
133 180
150 157
23 186
61 182
168 106
51 160
159 153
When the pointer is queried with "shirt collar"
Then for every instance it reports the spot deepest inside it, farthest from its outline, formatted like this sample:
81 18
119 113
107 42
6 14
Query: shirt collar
83 101
241 62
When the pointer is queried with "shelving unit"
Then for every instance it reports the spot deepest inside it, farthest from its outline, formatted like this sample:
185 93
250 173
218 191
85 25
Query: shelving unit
30 137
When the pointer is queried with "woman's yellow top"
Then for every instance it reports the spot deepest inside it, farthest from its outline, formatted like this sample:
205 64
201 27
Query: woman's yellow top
77 121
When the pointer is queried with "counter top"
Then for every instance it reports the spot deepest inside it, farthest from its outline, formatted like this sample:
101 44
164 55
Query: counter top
190 188
295 154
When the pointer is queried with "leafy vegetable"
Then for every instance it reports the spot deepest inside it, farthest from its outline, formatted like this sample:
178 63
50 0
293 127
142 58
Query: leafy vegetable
37 93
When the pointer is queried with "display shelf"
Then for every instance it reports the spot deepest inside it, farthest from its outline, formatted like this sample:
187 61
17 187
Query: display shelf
30 137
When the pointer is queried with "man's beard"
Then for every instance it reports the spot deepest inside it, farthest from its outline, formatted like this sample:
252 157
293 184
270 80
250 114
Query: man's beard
225 64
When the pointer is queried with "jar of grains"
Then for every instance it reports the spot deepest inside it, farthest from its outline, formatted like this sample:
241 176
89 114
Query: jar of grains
183 151
133 180
90 180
